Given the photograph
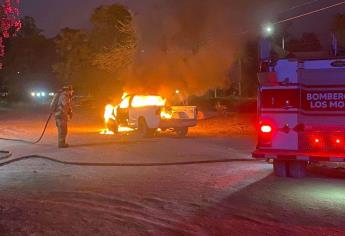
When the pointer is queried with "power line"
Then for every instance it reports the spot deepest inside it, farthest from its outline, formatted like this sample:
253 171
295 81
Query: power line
300 5
298 16
295 17
309 13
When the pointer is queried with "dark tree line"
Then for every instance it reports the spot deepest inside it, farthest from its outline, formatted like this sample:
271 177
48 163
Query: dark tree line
89 59
28 60
93 59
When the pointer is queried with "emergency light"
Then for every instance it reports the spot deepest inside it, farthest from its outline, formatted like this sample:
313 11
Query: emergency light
266 129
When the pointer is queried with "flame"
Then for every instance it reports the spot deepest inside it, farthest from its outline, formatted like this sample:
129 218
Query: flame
143 101
125 102
107 132
125 129
109 113
165 114
138 101
124 95
121 129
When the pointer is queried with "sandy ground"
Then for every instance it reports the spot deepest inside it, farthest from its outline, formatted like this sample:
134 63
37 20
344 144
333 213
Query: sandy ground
38 197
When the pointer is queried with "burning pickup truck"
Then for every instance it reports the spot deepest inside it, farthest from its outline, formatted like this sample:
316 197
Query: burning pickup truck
147 114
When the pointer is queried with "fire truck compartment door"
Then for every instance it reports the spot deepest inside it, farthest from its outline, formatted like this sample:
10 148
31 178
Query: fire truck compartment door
322 97
282 140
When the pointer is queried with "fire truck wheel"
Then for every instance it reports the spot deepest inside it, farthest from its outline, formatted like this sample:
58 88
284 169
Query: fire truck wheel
143 130
182 132
297 169
280 168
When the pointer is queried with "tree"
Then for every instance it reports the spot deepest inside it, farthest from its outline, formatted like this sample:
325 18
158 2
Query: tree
92 60
113 38
75 59
249 68
28 60
108 22
9 22
29 28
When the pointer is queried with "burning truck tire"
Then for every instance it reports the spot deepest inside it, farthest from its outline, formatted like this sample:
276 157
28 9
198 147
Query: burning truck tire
181 132
143 130
113 126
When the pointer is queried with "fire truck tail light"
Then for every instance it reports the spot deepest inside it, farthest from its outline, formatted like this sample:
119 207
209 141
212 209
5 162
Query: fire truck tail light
265 134
338 141
266 129
317 140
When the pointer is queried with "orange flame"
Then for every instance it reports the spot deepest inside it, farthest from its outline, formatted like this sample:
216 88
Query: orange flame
109 113
107 132
144 101
138 101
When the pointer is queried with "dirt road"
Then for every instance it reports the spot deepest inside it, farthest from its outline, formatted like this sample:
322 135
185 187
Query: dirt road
38 197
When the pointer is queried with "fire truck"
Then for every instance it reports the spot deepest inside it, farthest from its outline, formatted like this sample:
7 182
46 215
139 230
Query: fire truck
301 113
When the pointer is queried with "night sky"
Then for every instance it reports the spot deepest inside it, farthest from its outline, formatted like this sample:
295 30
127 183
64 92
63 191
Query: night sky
53 15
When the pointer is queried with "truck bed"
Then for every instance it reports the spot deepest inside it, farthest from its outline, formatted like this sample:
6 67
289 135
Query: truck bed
182 116
177 123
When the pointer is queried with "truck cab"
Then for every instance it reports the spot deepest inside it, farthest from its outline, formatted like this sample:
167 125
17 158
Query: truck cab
149 113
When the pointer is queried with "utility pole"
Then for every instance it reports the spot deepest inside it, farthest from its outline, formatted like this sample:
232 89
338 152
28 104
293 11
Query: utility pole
283 42
240 78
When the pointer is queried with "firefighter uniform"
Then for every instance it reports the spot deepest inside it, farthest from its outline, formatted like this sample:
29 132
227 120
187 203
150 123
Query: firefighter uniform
63 112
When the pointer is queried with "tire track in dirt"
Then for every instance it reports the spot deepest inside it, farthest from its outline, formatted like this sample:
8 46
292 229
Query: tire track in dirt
124 212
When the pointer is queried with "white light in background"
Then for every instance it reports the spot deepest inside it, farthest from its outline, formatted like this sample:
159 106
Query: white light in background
268 30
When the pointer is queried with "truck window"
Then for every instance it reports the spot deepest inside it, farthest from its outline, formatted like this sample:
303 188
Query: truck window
144 101
274 98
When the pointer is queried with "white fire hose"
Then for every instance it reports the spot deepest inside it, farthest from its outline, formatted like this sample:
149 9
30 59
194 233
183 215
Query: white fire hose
32 142
7 155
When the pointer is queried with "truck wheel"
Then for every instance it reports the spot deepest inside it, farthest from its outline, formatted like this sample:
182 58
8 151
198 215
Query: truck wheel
280 168
112 126
297 169
182 132
144 130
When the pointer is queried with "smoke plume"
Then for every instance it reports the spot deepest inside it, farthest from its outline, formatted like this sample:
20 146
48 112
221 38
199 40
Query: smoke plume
187 45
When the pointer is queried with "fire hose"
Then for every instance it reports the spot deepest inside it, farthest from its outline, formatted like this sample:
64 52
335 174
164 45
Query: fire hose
32 142
95 164
5 155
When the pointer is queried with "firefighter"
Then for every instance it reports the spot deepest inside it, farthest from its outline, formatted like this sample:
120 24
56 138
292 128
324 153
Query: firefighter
61 106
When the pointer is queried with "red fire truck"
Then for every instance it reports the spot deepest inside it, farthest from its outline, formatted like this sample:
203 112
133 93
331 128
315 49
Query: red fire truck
301 113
